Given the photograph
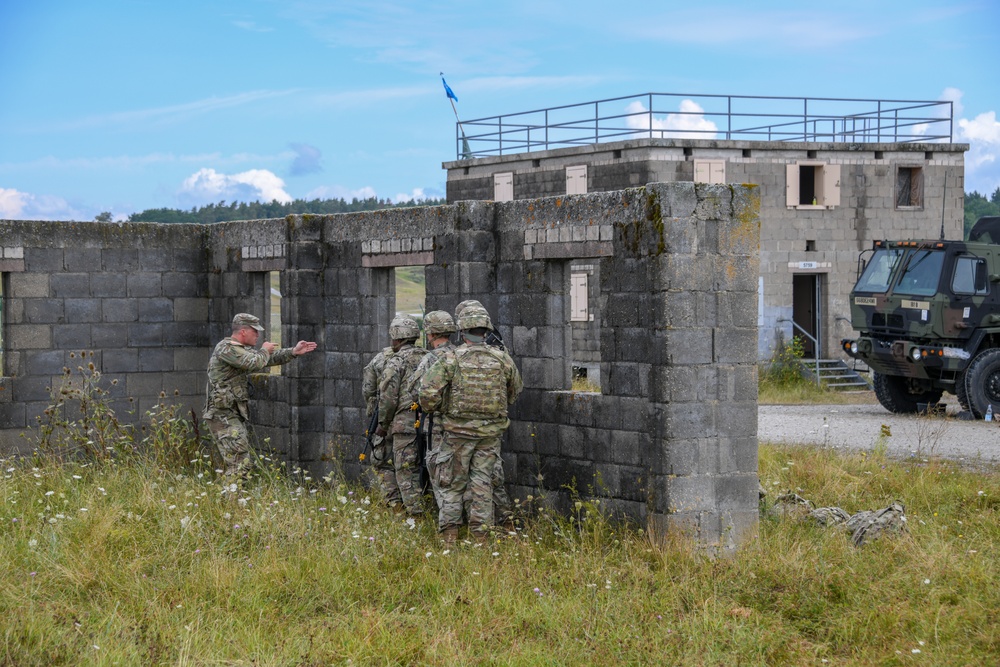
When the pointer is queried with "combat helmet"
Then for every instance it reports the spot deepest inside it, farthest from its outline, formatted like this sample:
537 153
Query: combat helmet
465 304
439 322
403 328
474 318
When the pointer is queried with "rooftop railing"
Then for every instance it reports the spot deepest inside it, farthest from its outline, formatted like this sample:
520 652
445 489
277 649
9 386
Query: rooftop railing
731 117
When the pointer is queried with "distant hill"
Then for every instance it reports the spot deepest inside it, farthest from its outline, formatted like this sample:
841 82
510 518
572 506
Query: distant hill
223 212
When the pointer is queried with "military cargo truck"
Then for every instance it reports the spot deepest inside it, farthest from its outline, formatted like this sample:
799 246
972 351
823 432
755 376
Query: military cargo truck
929 317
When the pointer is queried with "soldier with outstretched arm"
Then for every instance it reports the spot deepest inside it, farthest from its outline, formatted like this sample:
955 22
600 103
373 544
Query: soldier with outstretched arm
227 401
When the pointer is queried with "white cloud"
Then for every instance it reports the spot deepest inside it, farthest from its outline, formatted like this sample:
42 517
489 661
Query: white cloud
340 192
690 122
982 162
15 205
416 195
207 185
11 204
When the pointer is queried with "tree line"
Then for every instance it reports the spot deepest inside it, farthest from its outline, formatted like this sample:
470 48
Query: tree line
255 210
977 206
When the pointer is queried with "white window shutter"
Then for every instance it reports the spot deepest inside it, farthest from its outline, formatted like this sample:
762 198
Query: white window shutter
831 185
792 185
718 171
702 173
503 186
579 311
576 180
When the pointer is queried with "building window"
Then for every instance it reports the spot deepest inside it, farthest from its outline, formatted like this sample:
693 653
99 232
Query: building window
710 171
811 184
909 187
579 310
576 180
503 186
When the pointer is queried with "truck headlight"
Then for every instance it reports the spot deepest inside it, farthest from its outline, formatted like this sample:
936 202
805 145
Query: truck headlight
915 354
854 347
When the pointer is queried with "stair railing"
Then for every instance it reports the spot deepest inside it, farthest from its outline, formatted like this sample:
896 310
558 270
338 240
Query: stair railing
815 343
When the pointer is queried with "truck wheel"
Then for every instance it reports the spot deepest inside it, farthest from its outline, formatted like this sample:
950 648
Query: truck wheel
893 392
963 397
982 382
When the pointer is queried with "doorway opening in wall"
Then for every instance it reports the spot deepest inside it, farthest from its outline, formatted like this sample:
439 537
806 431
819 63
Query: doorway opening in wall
584 322
274 312
411 293
807 300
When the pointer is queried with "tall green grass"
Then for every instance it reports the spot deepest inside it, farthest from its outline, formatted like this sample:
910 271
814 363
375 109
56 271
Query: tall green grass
131 560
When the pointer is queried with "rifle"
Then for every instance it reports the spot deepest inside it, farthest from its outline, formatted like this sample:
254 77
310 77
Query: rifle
422 443
370 436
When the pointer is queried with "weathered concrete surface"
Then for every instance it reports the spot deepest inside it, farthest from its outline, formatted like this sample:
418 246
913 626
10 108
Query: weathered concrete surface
670 440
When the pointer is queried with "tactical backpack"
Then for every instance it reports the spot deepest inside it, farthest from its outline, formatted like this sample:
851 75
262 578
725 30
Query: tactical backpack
479 388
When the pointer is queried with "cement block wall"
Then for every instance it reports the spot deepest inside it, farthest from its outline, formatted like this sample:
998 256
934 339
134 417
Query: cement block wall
670 440
835 236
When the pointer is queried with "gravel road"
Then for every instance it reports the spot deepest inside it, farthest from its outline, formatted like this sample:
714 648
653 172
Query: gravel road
858 426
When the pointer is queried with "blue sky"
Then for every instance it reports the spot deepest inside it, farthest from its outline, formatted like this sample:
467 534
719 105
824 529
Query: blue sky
115 105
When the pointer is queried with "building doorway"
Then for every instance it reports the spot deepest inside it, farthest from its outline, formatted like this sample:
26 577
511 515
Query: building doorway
807 299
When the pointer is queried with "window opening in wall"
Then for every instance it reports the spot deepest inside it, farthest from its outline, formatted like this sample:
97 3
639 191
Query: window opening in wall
411 293
503 186
909 187
274 313
811 155
812 184
617 155
807 185
747 152
536 163
810 246
688 151
879 155
585 333
928 155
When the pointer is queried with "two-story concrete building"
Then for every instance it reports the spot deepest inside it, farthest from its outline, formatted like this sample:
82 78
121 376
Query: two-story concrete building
832 175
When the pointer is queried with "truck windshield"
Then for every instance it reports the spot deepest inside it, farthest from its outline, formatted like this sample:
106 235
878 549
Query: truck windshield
878 273
921 274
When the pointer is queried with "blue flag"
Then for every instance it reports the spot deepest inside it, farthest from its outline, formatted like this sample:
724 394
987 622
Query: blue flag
447 90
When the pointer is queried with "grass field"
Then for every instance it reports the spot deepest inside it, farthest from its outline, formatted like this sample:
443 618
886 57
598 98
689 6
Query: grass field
131 562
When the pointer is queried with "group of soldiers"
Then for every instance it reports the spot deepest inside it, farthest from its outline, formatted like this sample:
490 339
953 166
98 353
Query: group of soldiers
439 410
442 410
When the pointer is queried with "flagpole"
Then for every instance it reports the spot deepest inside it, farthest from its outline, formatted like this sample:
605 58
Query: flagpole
466 151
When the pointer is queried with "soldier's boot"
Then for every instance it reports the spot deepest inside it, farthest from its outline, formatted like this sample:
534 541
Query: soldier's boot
481 534
450 535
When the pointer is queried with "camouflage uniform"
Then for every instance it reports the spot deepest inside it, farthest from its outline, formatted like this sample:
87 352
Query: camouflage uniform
502 507
471 386
381 450
440 323
396 415
227 396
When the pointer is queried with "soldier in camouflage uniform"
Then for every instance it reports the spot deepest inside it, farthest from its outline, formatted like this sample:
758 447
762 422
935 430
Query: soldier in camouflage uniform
397 415
227 401
381 450
439 327
502 507
471 387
